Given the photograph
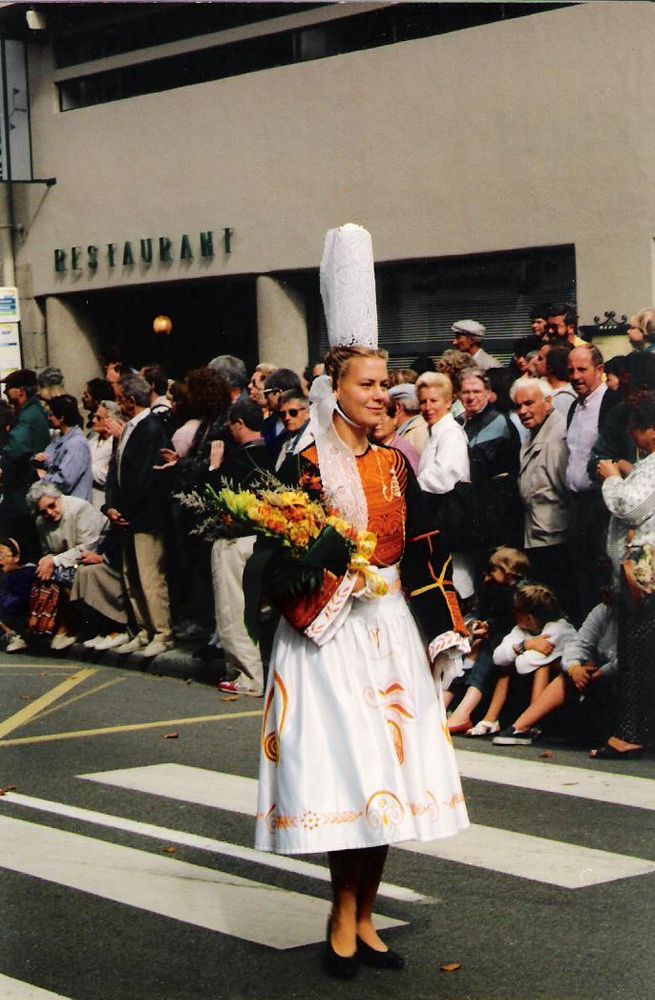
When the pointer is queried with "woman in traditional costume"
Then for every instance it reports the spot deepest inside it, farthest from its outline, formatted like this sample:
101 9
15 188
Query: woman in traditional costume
356 753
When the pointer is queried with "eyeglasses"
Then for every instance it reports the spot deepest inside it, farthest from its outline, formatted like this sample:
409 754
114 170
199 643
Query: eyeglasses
291 412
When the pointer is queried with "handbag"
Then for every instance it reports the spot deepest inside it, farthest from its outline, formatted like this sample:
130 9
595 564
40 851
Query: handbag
43 607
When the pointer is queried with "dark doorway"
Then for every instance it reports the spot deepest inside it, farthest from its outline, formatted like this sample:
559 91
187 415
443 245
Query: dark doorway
209 318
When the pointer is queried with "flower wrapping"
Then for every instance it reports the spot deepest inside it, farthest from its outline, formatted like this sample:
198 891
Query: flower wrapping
298 540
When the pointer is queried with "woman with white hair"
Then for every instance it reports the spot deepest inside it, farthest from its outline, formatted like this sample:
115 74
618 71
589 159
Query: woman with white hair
445 458
67 527
101 444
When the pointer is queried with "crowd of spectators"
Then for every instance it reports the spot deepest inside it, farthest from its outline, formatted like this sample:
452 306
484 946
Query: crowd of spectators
521 465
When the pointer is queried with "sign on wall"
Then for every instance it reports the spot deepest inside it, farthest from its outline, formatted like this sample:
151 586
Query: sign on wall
10 355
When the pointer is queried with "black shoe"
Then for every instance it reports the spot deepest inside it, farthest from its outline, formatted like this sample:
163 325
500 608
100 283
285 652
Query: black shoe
608 752
337 965
379 959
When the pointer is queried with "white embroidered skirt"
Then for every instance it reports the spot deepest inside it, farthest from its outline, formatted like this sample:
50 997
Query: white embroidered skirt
355 746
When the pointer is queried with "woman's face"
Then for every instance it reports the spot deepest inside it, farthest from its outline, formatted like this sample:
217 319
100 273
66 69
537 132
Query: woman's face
612 381
362 392
50 508
98 422
636 337
385 428
432 404
8 561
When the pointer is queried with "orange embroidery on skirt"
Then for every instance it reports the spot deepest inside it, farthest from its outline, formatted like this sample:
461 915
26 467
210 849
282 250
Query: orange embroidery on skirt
270 740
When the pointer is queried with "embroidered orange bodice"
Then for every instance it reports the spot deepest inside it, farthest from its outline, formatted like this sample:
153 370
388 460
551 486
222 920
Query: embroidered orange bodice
383 473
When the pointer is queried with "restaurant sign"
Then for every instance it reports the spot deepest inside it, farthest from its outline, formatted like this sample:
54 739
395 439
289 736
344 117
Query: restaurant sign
146 251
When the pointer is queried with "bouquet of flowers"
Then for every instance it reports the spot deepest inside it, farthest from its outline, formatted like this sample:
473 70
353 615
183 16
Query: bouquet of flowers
298 537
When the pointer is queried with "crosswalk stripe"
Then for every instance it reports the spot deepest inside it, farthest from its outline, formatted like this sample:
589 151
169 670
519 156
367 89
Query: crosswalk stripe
280 862
205 897
542 776
16 989
552 862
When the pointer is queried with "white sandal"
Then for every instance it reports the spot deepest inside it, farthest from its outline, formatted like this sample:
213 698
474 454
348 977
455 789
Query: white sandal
484 728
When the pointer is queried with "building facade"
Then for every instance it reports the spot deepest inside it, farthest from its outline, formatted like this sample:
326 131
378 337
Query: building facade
500 155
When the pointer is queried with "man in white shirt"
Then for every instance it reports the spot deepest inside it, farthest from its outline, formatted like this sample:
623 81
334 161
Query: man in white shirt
588 516
467 337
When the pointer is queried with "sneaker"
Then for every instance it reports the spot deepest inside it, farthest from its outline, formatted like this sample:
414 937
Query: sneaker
16 644
484 728
60 642
134 645
155 647
93 643
238 687
105 642
511 737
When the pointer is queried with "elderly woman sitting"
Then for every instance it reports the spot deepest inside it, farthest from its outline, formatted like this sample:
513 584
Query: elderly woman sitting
67 527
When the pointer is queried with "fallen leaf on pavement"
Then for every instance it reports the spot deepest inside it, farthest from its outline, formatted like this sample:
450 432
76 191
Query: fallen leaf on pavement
26 697
9 788
451 966
170 850
546 755
230 697
170 736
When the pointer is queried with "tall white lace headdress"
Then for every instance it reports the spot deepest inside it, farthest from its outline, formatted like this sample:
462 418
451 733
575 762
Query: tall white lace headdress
348 293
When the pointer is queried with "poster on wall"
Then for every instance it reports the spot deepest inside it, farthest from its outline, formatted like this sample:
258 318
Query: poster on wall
10 358
10 355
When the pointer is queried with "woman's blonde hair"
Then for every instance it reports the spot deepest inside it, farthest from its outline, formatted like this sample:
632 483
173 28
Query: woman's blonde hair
337 359
436 380
645 321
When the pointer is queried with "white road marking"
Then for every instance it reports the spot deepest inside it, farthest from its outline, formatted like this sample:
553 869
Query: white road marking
170 836
542 776
189 893
15 989
553 862
536 858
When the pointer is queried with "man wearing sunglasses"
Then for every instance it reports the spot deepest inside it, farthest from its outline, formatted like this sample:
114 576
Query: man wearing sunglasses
280 381
293 411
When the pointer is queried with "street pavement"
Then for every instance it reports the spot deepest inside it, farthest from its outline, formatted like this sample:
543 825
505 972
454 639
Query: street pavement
127 870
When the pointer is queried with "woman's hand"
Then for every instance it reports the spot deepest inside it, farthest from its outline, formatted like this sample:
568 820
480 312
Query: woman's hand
117 518
607 469
114 428
45 568
39 457
170 457
91 558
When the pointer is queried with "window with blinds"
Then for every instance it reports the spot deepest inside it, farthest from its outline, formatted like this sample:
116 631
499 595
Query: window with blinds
419 300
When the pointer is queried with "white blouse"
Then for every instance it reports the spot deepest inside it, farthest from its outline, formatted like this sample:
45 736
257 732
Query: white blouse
445 457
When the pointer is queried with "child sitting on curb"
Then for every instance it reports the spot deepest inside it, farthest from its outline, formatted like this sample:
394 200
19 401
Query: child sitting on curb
506 570
533 646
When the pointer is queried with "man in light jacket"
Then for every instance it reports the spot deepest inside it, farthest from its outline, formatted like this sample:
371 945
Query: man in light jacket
542 483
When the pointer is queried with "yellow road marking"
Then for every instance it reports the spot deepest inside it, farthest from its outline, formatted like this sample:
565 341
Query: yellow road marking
14 721
81 733
39 666
78 697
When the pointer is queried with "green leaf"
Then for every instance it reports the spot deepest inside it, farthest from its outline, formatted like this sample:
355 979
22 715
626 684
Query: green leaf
254 574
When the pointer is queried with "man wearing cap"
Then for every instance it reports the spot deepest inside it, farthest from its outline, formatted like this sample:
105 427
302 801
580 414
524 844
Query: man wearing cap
467 337
29 434
411 425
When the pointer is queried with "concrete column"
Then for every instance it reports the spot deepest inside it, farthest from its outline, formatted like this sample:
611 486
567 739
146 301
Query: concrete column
281 325
72 344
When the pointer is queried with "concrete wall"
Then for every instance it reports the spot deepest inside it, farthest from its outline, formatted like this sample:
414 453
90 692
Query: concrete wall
531 132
